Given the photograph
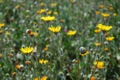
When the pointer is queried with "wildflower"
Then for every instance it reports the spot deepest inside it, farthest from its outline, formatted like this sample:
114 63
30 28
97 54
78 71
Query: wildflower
55 13
2 25
13 74
99 64
49 12
97 30
53 4
101 6
106 49
83 51
35 79
41 11
27 50
7 33
18 67
97 44
114 14
111 8
97 12
42 4
17 6
71 32
43 78
109 38
92 78
1 31
42 61
48 18
104 27
105 14
0 55
55 29
27 62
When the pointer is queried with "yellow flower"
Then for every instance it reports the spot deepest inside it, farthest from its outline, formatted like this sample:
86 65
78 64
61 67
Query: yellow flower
99 64
55 29
97 12
83 54
1 31
48 18
2 25
104 27
35 79
114 14
49 12
55 13
105 14
98 44
41 11
101 6
18 66
97 30
111 8
27 50
42 61
27 62
43 78
0 55
53 4
7 33
109 38
71 32
17 6
42 4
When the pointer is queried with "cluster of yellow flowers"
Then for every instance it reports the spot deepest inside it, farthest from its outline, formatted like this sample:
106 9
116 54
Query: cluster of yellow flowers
42 61
103 27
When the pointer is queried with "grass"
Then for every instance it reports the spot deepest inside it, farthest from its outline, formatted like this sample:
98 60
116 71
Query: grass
55 54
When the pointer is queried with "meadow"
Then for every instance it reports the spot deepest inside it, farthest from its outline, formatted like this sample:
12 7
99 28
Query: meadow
59 40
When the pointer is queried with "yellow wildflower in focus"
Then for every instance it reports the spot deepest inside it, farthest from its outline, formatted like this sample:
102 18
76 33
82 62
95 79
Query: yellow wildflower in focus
27 50
92 78
97 12
42 61
114 14
97 30
97 44
35 79
48 18
41 11
2 25
53 4
55 29
105 14
71 32
109 38
99 64
83 54
104 27
43 78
